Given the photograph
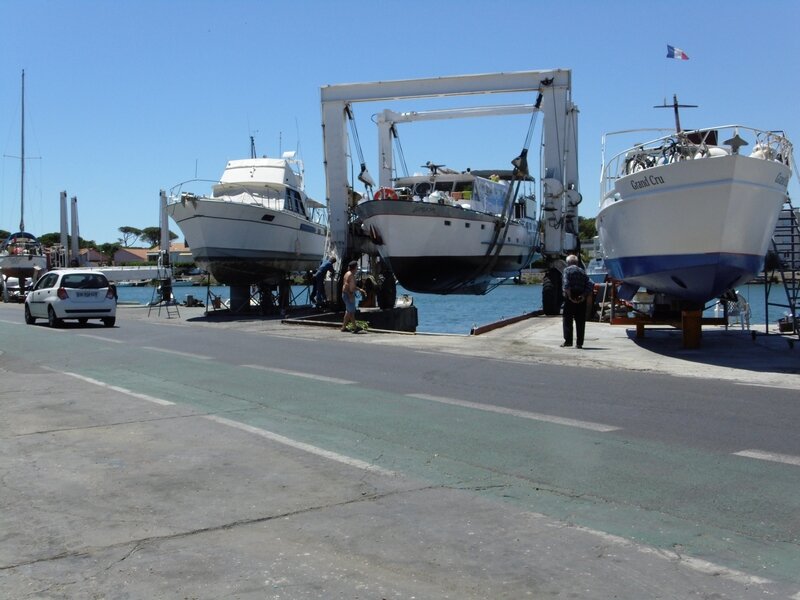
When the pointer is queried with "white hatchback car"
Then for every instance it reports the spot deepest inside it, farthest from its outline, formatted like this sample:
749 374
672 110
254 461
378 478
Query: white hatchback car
71 294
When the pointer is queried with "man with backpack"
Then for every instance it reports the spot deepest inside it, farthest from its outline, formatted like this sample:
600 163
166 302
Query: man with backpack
577 288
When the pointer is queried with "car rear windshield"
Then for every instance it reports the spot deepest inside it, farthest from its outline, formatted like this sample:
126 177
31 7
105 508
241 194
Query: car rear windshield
92 281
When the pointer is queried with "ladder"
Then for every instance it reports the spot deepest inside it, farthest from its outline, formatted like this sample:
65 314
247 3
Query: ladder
786 246
162 294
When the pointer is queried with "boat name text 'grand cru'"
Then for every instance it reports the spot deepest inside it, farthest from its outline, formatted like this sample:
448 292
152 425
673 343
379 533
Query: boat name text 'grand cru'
638 184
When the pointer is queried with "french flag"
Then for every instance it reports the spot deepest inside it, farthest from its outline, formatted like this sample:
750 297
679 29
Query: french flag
673 52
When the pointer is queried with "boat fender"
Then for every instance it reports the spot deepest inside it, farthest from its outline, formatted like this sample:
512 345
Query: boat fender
385 193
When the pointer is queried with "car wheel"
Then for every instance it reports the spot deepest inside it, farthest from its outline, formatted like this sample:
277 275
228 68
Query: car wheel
52 320
29 319
109 321
83 320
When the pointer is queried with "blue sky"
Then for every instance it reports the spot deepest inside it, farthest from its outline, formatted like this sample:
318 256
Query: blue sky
126 98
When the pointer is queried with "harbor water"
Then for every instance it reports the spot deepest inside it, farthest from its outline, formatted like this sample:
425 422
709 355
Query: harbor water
458 314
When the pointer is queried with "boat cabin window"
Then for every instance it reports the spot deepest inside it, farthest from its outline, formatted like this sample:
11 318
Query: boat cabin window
293 202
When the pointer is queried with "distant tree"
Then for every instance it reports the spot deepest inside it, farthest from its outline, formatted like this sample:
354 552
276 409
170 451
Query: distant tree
129 235
51 239
4 235
152 235
109 249
586 228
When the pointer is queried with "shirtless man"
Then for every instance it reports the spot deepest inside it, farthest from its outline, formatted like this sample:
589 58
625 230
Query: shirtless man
349 295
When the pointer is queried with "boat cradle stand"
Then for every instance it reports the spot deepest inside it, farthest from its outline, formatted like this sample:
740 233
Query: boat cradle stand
690 322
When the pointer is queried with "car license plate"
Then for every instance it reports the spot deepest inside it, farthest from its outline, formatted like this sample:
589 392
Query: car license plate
87 294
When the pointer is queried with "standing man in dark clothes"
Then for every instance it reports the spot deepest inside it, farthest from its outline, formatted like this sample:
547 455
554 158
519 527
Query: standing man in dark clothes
577 288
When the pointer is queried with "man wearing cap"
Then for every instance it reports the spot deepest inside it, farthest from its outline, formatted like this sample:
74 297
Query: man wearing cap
349 288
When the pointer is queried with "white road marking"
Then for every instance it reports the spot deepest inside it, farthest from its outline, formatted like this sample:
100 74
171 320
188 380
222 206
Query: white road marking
347 460
519 413
177 352
10 322
116 388
100 337
786 459
301 374
696 564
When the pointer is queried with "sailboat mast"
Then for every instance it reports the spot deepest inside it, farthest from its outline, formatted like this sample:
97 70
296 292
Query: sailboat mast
22 162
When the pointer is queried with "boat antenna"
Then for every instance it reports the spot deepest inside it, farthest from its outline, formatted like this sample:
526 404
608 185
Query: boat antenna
297 132
252 146
675 106
22 162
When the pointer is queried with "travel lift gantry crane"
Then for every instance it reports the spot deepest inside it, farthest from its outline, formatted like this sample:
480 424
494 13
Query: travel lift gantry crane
559 156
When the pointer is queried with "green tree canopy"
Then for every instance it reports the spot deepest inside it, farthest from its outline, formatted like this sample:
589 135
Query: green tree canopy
109 249
129 235
152 235
586 228
51 239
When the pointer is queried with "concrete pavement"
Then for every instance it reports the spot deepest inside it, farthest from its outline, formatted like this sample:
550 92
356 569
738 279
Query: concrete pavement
109 494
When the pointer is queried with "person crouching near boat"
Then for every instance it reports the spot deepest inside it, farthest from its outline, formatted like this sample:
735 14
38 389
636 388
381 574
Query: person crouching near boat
318 296
349 289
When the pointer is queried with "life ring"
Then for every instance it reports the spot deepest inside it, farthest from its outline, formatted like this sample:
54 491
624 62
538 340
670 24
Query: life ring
385 193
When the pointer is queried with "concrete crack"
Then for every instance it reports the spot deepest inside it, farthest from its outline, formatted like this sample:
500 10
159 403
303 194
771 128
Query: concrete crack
139 544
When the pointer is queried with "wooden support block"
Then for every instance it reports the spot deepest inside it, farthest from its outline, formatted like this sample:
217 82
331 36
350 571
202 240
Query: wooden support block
691 325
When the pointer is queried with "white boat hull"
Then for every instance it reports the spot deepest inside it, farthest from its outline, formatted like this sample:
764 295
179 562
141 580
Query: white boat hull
433 248
242 244
692 229
28 266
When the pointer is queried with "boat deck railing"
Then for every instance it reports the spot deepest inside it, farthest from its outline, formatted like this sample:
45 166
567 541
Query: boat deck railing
692 145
